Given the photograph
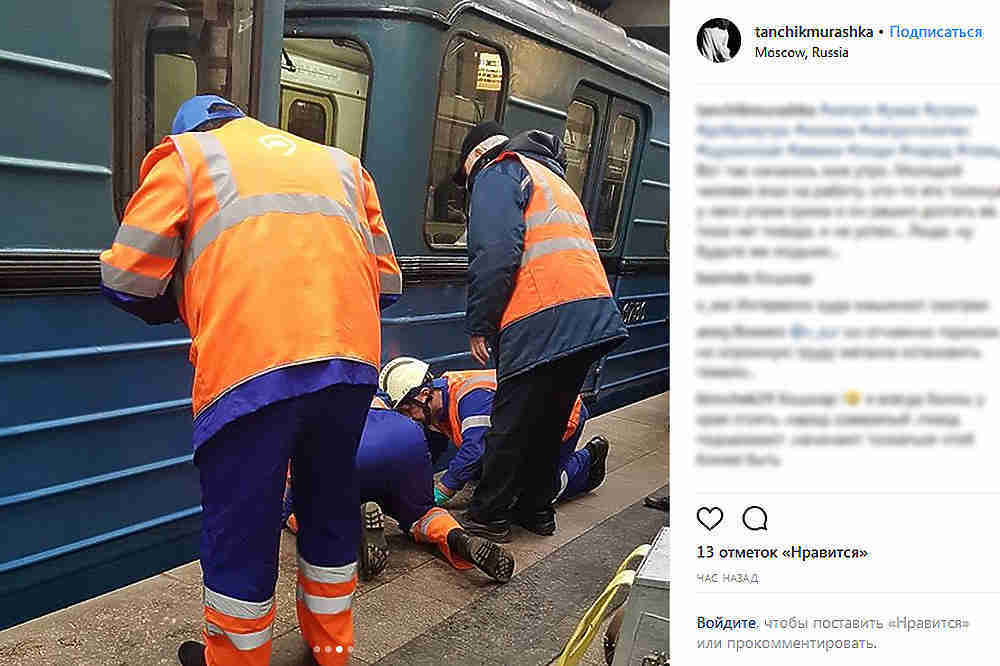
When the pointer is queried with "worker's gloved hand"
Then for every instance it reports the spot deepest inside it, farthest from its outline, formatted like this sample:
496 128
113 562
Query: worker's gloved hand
442 494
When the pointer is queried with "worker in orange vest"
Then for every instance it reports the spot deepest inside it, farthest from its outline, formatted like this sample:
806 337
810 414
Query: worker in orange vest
458 405
539 302
273 251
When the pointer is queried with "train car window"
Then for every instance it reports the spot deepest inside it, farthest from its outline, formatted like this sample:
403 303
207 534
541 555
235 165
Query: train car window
324 91
309 120
579 141
164 52
620 144
472 83
175 79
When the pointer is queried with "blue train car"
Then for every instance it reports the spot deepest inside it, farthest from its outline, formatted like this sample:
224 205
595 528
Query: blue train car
97 487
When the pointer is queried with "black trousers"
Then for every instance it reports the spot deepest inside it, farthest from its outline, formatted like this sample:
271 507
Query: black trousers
529 418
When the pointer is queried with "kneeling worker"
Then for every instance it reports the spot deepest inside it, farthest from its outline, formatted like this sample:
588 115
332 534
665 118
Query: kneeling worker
459 404
394 469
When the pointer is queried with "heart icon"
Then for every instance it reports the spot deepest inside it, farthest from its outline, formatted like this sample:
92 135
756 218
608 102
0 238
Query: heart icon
710 517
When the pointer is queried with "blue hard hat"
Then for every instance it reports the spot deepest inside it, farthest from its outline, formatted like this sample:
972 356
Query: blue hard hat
202 108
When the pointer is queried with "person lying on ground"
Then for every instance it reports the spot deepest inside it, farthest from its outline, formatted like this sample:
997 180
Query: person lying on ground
395 475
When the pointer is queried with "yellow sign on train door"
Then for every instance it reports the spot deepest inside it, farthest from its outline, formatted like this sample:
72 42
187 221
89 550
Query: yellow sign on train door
490 73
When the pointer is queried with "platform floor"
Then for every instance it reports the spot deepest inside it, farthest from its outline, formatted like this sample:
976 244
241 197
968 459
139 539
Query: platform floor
420 610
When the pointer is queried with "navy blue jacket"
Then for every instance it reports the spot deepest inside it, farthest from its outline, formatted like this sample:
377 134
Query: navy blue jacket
499 194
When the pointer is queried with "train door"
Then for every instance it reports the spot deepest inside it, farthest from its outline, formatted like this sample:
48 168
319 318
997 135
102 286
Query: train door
633 195
600 139
324 91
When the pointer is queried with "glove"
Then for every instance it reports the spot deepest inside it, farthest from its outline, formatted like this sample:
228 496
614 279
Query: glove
442 494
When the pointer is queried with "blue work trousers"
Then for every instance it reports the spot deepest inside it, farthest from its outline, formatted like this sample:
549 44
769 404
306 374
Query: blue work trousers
243 469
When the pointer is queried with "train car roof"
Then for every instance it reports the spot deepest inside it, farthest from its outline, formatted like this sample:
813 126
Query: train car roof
557 21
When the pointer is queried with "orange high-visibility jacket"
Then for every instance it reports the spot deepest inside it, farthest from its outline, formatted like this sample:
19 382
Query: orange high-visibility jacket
559 263
536 284
462 382
276 247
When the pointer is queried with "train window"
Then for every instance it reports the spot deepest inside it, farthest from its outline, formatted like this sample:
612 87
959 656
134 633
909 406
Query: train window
609 206
175 79
308 120
472 83
579 140
164 52
324 91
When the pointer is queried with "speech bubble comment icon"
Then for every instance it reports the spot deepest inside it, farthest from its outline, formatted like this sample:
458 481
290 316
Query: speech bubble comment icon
709 517
755 518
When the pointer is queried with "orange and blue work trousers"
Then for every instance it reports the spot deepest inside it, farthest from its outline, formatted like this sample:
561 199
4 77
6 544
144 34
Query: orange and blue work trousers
243 469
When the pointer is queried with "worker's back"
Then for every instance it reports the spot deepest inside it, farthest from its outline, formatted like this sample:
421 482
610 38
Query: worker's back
279 262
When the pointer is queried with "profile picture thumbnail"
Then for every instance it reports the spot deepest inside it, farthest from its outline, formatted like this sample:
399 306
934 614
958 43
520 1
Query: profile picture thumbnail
719 40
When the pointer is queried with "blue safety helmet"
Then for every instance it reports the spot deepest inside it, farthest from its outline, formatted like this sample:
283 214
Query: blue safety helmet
202 108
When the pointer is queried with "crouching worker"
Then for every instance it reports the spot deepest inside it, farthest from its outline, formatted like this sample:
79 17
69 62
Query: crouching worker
394 469
458 405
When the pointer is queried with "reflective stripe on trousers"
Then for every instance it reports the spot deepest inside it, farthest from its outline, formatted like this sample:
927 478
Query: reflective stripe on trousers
238 631
433 527
324 595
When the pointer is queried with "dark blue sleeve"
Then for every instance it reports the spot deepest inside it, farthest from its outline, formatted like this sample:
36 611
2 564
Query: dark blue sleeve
474 414
385 300
158 310
496 239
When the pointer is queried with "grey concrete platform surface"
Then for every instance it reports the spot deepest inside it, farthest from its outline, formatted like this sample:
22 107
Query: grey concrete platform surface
420 610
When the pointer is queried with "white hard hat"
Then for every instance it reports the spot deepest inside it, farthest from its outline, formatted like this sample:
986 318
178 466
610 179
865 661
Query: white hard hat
400 376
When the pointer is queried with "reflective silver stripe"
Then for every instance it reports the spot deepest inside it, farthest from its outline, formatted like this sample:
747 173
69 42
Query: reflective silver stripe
219 168
242 642
324 605
556 216
132 283
563 482
474 384
482 421
347 177
150 242
543 187
246 610
390 283
341 574
350 180
382 244
545 247
262 204
428 518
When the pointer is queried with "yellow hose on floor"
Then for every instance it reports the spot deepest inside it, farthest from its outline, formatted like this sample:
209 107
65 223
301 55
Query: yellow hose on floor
600 610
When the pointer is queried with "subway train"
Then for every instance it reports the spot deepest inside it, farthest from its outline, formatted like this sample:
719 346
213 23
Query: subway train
98 488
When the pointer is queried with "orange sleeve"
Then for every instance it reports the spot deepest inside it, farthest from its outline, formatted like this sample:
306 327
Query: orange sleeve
149 241
390 275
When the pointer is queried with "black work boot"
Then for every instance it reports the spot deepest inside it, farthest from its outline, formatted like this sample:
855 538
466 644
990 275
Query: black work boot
489 557
541 521
494 530
373 555
191 653
598 448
